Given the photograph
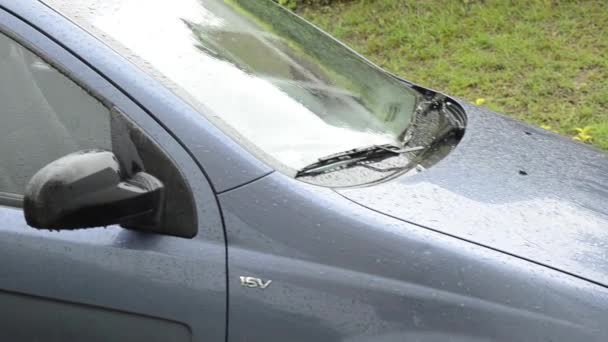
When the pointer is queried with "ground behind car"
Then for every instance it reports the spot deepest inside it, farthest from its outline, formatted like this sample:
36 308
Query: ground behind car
544 62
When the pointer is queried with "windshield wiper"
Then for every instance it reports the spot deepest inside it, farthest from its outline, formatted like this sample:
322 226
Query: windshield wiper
442 104
352 157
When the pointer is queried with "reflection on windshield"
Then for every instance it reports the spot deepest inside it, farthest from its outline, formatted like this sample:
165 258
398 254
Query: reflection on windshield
272 78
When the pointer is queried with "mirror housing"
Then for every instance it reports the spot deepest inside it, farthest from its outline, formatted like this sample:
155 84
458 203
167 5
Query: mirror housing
89 189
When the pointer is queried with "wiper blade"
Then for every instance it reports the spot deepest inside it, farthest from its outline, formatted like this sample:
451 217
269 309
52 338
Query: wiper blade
352 157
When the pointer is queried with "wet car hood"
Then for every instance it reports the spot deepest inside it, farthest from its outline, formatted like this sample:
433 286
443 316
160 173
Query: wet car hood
514 188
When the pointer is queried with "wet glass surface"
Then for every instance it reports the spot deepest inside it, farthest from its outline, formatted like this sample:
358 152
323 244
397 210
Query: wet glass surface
275 80
44 116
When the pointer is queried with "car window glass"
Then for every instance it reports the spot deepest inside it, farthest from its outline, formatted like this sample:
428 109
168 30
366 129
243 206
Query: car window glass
44 116
260 73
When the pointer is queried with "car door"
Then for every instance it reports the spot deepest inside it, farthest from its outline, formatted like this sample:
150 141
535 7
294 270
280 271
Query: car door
108 283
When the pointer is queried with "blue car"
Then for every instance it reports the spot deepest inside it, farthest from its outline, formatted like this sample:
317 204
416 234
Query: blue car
222 170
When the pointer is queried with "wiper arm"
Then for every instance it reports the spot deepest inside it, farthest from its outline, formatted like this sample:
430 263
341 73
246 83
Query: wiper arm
352 157
455 120
441 103
437 102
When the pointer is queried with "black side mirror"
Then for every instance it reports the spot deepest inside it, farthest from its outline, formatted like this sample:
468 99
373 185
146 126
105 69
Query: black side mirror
89 189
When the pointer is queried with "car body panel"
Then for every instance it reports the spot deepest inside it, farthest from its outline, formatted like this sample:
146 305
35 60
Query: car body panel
337 270
124 276
346 273
514 188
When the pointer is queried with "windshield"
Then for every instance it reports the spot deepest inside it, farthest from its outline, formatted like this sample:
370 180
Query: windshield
275 80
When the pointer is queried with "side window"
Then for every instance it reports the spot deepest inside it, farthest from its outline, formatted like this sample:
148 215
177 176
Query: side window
43 116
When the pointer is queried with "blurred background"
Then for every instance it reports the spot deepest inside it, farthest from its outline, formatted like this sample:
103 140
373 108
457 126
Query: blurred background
541 61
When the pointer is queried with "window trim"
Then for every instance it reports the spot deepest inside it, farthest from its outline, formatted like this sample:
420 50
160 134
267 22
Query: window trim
10 199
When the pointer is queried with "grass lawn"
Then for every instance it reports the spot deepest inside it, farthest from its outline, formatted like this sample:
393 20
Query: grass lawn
544 62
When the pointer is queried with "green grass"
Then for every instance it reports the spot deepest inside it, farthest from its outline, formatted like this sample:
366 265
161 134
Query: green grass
544 62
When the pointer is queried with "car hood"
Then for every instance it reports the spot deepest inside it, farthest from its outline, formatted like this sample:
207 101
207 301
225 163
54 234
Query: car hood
513 188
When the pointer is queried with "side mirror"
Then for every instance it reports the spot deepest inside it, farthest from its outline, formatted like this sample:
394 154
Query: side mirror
89 189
